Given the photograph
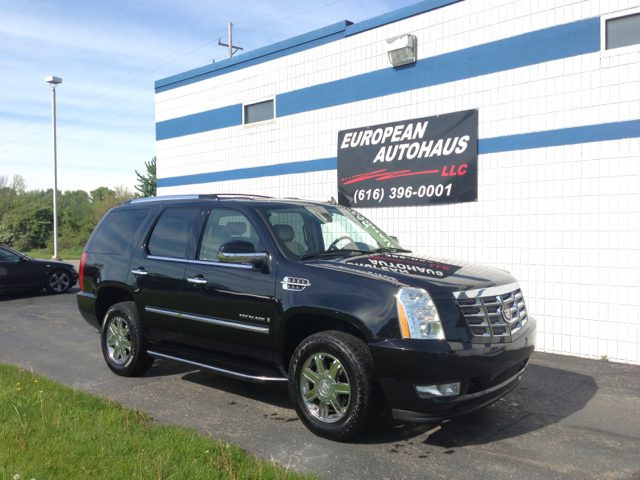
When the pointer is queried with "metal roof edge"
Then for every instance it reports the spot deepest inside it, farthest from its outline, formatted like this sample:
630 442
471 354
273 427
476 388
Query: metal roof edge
259 52
396 15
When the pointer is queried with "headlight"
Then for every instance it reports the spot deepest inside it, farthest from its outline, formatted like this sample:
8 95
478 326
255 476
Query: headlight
418 315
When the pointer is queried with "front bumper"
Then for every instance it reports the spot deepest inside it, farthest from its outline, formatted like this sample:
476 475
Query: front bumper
486 373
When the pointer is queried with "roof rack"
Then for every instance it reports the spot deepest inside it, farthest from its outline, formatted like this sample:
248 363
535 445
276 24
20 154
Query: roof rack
209 196
241 195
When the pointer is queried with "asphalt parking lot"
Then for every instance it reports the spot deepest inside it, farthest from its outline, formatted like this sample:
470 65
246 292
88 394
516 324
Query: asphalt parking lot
570 418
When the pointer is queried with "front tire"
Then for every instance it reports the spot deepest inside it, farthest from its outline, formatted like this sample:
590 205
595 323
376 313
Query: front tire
333 385
58 281
123 344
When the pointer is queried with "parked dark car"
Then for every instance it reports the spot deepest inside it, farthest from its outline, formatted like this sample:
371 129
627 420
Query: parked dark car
18 272
306 293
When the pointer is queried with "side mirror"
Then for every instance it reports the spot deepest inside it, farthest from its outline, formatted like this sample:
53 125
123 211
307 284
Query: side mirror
239 251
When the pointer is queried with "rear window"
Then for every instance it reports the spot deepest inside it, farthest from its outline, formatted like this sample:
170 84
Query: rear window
117 229
171 235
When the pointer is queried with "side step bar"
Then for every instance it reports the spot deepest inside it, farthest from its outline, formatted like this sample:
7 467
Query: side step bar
222 371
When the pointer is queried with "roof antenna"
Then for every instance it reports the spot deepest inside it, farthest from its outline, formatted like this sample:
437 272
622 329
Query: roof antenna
231 46
332 201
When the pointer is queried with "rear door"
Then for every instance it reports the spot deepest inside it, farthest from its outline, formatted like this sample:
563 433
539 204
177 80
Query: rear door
158 269
229 308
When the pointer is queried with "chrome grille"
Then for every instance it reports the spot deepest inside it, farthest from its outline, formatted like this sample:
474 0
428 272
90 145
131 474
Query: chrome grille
493 312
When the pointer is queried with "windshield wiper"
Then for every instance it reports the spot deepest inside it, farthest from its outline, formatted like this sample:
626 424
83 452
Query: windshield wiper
391 249
334 252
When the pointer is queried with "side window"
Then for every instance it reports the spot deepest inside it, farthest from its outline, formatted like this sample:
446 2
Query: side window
289 227
171 235
116 231
224 226
8 256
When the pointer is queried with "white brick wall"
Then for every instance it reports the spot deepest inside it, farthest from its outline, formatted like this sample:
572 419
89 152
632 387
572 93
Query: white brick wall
564 220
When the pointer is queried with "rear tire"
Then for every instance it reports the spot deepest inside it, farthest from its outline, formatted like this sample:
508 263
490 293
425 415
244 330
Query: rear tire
333 385
58 281
124 346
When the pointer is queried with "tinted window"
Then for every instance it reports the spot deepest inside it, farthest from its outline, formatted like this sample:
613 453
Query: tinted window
258 112
116 231
224 226
6 256
170 237
623 31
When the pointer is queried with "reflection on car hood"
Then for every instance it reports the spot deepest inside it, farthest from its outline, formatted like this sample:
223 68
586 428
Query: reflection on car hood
438 275
53 263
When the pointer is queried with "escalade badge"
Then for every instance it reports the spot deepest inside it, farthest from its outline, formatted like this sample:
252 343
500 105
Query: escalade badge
506 313
253 317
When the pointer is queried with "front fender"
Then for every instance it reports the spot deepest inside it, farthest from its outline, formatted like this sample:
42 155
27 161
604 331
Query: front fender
301 310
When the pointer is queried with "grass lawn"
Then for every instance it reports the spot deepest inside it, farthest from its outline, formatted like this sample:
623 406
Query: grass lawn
66 254
50 431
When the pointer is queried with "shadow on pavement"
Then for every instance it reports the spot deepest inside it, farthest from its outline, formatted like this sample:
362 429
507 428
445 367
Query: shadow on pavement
36 294
545 396
276 395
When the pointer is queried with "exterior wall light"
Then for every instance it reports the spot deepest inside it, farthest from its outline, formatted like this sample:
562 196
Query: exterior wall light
401 49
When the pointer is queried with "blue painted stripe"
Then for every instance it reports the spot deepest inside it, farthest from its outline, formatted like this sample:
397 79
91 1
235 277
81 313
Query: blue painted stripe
306 41
541 46
563 136
255 172
200 122
552 138
553 43
396 15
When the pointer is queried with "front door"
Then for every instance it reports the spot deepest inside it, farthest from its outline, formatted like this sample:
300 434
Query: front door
158 269
229 308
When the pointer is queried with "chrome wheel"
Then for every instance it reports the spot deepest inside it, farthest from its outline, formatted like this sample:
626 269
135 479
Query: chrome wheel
118 340
59 282
325 387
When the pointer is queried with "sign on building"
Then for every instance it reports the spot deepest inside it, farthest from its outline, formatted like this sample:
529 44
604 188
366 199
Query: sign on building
424 161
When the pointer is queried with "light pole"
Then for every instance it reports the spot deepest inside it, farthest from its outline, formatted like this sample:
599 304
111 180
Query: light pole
53 81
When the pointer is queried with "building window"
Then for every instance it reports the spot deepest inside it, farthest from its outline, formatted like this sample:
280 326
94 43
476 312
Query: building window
620 32
259 112
623 31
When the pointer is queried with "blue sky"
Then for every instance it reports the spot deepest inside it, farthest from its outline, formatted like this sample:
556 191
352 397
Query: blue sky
108 55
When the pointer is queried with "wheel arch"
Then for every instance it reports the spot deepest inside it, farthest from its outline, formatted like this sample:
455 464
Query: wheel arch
302 322
110 294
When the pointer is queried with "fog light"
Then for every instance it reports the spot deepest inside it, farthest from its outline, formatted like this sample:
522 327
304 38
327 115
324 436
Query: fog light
442 390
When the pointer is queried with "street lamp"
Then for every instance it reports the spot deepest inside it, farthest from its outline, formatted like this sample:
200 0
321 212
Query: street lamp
53 81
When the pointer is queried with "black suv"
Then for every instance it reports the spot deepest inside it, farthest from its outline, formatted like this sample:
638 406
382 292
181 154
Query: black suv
310 293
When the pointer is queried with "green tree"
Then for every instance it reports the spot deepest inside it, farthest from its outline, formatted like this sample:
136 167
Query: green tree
100 194
26 216
147 183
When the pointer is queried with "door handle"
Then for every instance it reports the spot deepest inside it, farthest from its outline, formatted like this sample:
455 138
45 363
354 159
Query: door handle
139 271
197 280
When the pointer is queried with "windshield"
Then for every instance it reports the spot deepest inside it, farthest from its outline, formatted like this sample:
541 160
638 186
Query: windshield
308 230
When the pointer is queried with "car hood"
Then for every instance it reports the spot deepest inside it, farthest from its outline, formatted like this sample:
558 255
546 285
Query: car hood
440 276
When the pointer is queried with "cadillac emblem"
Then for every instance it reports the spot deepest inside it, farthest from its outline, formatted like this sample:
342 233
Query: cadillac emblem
506 313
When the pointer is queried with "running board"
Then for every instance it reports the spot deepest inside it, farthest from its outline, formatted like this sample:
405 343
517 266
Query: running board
221 371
